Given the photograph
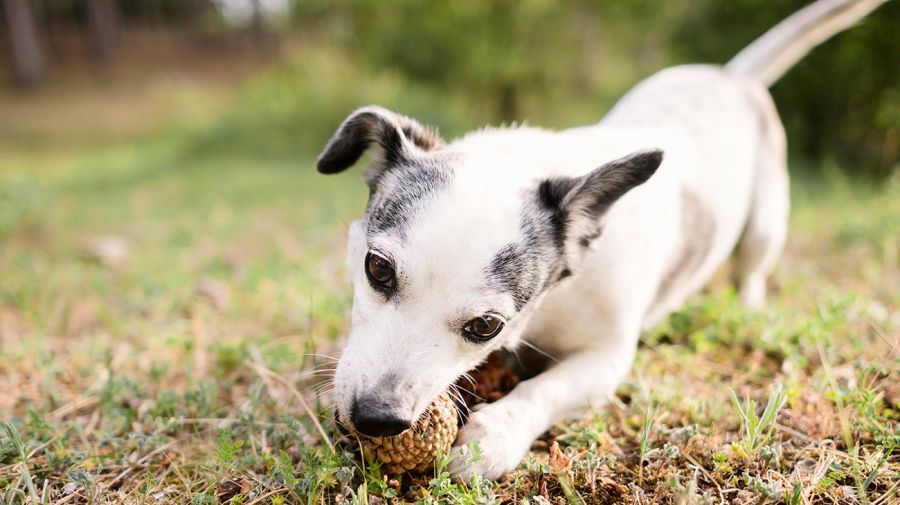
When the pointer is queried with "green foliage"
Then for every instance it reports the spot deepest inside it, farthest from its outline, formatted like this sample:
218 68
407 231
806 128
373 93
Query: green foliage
11 442
291 110
534 60
757 430
497 52
444 489
20 203
562 64
645 447
464 64
842 101
764 490
795 496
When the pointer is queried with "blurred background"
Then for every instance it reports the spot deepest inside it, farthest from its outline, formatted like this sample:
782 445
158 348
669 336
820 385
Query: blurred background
272 78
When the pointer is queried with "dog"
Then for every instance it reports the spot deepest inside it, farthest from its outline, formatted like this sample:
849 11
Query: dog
571 242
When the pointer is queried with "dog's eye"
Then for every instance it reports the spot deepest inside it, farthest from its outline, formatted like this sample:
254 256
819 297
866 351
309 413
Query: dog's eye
482 328
380 271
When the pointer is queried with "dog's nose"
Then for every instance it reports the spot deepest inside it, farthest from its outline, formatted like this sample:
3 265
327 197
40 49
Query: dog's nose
376 418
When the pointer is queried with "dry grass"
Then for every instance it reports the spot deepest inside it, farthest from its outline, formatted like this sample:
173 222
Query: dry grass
161 323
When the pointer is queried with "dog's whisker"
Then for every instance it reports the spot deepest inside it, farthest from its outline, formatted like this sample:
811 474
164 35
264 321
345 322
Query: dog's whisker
515 353
324 397
461 407
454 391
457 396
322 386
318 388
319 373
316 355
323 366
469 378
539 351
319 384
317 377
320 355
329 366
457 387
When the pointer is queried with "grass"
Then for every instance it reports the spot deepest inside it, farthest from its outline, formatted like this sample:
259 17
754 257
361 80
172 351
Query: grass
756 430
163 312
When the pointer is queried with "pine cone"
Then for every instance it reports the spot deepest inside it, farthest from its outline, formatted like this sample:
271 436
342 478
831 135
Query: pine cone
416 448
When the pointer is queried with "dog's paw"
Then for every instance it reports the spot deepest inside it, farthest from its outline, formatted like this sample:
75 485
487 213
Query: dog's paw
501 443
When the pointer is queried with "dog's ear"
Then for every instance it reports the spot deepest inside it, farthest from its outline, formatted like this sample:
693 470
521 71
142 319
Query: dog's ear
578 204
394 136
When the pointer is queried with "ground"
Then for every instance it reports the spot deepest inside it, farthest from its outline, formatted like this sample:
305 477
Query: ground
167 317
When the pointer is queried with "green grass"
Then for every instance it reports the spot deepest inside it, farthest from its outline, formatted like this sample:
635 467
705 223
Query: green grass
180 370
756 430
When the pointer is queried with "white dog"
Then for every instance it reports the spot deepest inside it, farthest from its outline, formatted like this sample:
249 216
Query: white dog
570 241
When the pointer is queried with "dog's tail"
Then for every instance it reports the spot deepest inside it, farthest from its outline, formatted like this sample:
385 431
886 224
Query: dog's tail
767 58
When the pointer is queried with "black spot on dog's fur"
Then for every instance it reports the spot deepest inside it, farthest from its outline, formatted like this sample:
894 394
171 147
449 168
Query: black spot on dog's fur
513 271
396 196
526 268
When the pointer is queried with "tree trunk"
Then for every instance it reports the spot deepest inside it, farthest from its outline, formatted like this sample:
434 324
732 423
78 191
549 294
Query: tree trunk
257 26
101 17
28 58
197 12
262 38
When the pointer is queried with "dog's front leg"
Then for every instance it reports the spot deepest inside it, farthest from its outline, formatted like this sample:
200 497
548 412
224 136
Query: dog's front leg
505 430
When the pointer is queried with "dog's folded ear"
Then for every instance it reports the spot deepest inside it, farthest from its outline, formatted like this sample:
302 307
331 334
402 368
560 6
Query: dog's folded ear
394 136
578 204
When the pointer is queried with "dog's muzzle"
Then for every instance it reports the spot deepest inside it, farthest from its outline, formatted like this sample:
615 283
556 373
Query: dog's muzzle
374 417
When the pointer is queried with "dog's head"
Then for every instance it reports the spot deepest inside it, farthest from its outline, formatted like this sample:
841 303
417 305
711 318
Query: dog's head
454 250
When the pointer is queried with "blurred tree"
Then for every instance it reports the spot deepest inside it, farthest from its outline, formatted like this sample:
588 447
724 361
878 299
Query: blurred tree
553 63
497 52
519 60
262 37
198 11
57 22
102 20
27 55
556 63
841 101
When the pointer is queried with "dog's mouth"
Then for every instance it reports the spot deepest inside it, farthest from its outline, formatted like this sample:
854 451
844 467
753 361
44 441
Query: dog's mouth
487 383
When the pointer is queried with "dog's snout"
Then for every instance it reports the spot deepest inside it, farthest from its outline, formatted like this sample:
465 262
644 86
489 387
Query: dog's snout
376 418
